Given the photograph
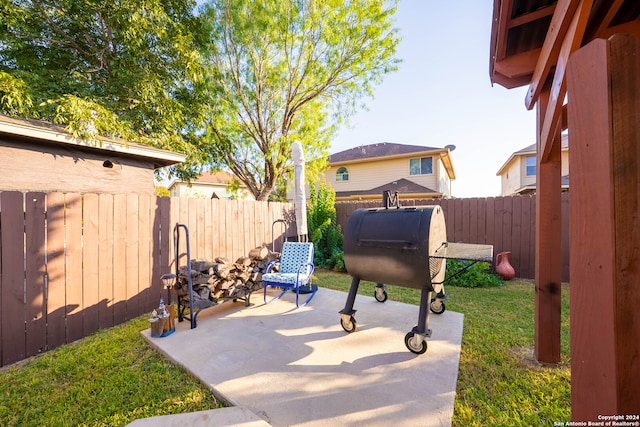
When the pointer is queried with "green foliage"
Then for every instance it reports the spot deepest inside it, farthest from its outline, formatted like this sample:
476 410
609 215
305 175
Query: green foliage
279 193
478 275
129 69
282 71
323 229
110 378
161 191
14 96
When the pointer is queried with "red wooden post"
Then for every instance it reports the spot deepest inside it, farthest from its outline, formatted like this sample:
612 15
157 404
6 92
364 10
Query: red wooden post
548 255
604 131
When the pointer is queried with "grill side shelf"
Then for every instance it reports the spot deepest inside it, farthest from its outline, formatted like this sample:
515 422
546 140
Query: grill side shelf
464 252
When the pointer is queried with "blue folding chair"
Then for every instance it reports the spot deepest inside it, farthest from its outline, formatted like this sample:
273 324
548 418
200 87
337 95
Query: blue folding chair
296 268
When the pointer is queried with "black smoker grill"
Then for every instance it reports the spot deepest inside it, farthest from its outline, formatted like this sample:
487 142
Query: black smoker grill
404 247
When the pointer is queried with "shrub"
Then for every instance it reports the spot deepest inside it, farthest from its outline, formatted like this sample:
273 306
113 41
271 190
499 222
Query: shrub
323 229
478 275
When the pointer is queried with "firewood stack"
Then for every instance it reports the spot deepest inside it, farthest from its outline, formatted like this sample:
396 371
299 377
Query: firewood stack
222 279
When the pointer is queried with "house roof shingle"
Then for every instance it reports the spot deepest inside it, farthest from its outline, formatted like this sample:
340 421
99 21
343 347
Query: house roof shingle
383 149
218 177
402 186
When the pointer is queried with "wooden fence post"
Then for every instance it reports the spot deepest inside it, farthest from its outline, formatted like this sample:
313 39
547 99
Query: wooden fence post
604 131
548 265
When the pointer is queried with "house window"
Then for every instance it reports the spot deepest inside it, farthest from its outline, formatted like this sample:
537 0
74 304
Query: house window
342 174
422 166
531 165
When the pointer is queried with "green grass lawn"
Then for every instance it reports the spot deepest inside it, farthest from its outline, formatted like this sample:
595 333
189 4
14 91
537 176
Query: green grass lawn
110 378
113 377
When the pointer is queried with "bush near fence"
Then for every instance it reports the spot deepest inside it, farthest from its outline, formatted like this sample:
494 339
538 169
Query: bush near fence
71 264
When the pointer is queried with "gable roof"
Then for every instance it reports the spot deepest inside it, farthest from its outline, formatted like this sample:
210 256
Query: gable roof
402 186
217 178
529 151
390 150
50 133
372 151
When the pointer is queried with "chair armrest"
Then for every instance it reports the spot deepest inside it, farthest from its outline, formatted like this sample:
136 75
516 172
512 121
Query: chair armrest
302 267
271 265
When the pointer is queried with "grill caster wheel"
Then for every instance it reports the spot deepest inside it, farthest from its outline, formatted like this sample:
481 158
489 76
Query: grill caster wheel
381 293
437 306
349 325
415 344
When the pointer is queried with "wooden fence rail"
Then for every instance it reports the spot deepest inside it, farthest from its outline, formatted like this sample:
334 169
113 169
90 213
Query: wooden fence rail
507 223
74 263
71 264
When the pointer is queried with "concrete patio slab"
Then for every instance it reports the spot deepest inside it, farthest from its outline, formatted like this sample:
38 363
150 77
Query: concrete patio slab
297 366
223 417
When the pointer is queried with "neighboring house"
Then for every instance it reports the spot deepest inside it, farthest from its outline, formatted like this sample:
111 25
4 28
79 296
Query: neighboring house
414 171
211 185
518 174
40 156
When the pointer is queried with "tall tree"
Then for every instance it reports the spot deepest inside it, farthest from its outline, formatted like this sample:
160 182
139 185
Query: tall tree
120 68
290 70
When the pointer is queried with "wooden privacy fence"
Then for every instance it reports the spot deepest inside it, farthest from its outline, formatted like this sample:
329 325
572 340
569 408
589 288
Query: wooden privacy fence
507 223
71 264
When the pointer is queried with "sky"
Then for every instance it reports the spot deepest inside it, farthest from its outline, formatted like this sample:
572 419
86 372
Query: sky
442 94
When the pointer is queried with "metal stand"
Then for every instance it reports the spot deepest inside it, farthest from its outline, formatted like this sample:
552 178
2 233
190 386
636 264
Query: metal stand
430 299
182 300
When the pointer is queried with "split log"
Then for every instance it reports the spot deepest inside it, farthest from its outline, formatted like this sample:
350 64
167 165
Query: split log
259 253
223 279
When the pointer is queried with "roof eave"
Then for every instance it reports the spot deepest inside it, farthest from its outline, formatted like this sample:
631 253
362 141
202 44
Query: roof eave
392 156
159 157
404 196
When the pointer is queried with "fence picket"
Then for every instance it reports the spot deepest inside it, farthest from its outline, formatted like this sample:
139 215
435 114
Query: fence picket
73 267
119 258
12 326
55 270
134 305
516 233
36 326
145 227
90 263
105 260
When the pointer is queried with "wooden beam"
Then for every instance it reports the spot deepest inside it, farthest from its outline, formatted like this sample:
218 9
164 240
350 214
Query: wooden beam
604 127
572 41
506 7
611 13
632 27
533 16
548 265
551 48
518 65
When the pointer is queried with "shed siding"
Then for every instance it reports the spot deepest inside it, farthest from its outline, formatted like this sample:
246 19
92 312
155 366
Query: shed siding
35 167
